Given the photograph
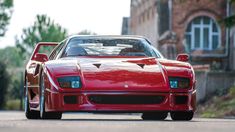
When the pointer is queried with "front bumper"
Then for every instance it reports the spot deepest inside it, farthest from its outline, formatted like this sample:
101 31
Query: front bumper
55 101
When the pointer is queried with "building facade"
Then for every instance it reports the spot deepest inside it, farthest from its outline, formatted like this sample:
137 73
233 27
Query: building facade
125 26
143 19
185 26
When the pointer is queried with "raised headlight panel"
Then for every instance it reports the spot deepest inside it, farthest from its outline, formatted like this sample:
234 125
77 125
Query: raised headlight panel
70 82
179 82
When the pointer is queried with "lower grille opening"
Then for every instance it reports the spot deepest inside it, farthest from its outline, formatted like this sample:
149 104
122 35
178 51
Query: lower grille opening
181 99
125 99
70 100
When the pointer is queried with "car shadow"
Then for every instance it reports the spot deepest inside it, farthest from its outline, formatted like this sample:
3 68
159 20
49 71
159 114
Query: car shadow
123 120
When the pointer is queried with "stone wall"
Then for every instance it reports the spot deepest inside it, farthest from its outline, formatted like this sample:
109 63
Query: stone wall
213 82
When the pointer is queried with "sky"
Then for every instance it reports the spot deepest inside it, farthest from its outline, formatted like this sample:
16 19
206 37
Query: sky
103 17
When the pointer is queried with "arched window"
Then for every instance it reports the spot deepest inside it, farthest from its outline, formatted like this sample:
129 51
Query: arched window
202 34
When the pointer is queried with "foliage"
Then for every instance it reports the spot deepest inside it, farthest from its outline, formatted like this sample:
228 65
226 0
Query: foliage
10 56
15 87
4 80
13 105
232 91
5 15
229 21
43 30
86 32
219 106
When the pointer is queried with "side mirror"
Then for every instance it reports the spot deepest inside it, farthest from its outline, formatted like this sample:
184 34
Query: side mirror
41 57
182 57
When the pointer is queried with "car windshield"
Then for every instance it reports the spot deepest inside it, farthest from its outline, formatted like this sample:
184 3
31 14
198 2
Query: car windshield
108 47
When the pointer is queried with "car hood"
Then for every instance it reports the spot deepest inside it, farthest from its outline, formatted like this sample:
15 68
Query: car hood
114 74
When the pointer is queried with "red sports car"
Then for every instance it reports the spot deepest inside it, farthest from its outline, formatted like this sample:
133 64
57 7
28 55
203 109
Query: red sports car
123 74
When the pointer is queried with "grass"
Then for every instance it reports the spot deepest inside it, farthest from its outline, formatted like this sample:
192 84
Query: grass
13 105
219 106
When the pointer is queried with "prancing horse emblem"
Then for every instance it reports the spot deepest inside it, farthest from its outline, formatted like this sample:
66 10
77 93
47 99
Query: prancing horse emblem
126 86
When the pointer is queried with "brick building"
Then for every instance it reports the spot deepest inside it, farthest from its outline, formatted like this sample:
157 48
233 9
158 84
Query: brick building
186 26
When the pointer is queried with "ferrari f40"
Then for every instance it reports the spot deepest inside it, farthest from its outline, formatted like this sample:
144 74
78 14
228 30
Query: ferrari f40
117 74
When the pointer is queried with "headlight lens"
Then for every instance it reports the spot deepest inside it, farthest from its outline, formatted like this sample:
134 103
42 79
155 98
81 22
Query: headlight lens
179 82
70 82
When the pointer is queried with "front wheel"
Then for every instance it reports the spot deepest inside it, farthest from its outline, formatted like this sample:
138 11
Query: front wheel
43 113
154 115
182 115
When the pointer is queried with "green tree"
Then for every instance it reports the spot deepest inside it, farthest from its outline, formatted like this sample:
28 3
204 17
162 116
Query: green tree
10 56
4 81
43 30
86 32
5 15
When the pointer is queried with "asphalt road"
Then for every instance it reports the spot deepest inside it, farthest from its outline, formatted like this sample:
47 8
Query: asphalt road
11 121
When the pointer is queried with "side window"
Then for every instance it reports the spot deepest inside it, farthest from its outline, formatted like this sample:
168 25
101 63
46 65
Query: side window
156 52
58 55
53 53
153 50
56 51
46 49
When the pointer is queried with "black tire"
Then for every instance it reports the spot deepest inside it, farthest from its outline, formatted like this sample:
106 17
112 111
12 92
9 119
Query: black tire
43 113
30 114
182 115
154 115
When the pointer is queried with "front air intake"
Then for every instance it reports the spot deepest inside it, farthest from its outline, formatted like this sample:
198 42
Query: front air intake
126 99
70 99
181 100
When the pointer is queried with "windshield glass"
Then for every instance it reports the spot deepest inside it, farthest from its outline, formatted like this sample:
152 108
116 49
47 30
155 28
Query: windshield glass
108 47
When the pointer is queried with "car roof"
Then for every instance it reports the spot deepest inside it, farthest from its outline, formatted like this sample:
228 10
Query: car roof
109 36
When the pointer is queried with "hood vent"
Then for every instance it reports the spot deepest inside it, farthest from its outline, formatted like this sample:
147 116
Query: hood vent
141 65
97 65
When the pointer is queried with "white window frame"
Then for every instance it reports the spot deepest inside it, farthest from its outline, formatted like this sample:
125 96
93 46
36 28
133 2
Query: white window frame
203 26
